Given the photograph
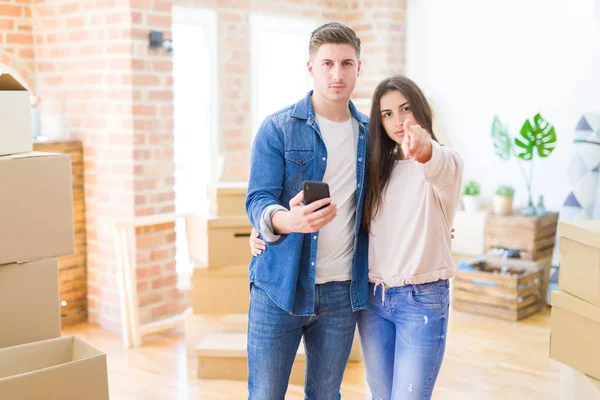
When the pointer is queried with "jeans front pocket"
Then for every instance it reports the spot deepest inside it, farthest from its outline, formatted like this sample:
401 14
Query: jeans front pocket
429 297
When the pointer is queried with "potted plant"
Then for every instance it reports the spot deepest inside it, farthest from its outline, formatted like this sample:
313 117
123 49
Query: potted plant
538 139
503 200
470 196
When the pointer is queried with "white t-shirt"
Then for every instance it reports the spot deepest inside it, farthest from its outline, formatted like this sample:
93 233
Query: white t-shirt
336 239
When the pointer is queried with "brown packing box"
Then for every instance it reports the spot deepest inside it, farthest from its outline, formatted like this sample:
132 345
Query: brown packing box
29 302
228 199
65 368
36 207
224 356
218 241
198 326
579 270
220 290
15 114
575 333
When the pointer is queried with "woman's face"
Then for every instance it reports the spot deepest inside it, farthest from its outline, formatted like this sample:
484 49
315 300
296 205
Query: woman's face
396 113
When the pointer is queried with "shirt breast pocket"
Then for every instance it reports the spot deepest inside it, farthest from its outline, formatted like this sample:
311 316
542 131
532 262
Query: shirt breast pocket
298 168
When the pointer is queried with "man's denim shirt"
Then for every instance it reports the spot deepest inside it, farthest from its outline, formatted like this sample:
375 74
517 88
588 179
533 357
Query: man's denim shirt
289 149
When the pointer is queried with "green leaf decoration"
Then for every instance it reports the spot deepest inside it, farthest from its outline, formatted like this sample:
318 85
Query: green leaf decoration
538 136
501 139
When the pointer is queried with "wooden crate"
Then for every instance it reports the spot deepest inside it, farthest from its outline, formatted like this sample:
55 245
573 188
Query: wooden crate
483 288
72 269
533 236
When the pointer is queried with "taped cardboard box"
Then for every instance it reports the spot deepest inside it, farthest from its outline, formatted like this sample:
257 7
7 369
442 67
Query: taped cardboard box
224 356
574 333
579 270
218 241
220 290
29 302
228 199
36 207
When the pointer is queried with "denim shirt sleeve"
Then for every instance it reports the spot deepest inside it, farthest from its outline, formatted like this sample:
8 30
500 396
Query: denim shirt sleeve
267 167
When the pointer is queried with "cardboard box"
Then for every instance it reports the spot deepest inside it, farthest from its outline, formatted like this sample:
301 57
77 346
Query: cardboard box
36 207
575 333
29 302
579 270
224 356
228 199
65 368
218 241
198 326
15 114
470 229
576 385
222 290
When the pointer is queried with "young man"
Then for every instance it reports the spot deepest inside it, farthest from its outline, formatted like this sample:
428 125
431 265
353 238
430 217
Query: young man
313 279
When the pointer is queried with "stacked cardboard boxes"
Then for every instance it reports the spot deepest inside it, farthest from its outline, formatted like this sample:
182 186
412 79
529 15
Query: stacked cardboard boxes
575 319
216 324
37 226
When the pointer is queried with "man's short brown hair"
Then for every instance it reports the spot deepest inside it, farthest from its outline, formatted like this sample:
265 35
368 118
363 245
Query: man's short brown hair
333 32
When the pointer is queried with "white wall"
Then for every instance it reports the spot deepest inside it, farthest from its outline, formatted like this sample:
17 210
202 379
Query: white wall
513 58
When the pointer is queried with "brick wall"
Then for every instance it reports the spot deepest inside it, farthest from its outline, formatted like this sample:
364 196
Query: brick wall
380 24
152 113
83 58
16 40
100 83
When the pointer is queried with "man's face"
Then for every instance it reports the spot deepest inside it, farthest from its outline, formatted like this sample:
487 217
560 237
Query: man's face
334 68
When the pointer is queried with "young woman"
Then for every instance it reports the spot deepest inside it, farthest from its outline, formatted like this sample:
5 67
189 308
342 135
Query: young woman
410 202
411 195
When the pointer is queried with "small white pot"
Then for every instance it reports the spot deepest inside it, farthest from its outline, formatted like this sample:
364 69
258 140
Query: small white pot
503 204
471 203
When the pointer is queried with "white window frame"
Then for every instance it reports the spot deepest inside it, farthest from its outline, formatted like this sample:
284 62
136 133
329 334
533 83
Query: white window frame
206 18
266 23
183 15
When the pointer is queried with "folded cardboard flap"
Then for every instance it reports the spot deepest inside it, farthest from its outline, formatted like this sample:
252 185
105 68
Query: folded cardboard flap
32 357
586 231
567 302
9 83
64 368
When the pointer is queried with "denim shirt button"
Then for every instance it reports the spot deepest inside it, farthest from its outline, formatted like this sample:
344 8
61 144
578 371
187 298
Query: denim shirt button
361 136
315 237
324 159
313 264
358 185
359 158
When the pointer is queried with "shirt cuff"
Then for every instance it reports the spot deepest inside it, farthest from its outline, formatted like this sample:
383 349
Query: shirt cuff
266 224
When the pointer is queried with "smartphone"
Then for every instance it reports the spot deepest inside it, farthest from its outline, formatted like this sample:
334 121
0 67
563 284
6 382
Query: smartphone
314 191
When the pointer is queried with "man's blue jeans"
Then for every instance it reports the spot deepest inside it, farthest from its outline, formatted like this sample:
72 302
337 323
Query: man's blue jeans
274 336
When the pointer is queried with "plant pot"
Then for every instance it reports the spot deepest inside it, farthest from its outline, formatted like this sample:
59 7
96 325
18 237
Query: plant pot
471 203
502 204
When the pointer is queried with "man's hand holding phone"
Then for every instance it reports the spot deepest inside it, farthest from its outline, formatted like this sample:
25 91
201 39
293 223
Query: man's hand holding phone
302 218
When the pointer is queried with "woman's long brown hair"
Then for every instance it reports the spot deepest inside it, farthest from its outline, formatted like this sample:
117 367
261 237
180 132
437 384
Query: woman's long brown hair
382 152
